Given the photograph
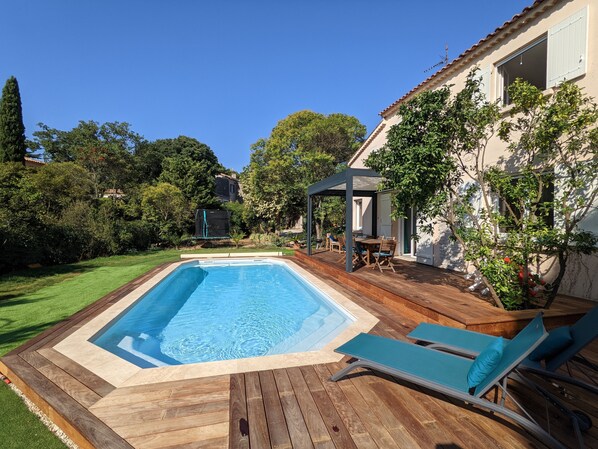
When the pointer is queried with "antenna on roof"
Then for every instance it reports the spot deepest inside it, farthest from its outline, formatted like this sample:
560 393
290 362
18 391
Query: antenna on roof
443 61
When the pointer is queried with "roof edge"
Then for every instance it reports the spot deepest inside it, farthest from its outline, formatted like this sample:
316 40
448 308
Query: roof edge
482 45
365 144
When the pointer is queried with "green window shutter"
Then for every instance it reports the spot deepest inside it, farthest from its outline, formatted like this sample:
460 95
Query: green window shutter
567 48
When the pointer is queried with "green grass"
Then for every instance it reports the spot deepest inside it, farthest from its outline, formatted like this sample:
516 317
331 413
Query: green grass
35 299
21 429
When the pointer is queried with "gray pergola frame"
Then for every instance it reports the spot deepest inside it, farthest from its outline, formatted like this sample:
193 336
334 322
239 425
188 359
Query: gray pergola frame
330 187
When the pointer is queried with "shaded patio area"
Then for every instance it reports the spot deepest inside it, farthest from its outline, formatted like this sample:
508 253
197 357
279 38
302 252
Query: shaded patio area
351 182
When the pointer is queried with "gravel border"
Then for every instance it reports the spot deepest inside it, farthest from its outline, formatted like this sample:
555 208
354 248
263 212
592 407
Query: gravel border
44 419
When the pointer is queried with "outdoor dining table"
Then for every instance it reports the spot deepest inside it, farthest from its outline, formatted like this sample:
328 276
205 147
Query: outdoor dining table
370 245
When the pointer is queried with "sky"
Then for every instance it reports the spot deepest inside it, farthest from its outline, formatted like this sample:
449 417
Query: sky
226 71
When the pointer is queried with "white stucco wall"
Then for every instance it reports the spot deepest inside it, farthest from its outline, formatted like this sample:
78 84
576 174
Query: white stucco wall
582 270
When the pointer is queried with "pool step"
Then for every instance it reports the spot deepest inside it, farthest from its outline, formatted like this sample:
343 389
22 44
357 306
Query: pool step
313 330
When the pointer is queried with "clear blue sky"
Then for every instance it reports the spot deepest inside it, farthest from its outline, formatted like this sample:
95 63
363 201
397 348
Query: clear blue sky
223 71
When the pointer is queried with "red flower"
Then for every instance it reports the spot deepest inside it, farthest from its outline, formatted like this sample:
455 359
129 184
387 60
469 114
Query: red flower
507 260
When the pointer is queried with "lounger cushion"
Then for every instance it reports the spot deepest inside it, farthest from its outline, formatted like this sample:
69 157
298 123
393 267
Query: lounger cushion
331 237
485 363
557 340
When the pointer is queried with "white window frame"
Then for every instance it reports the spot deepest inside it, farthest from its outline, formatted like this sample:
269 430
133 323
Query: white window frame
358 214
500 81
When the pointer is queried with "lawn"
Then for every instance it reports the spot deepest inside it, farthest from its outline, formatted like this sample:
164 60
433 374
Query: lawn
35 299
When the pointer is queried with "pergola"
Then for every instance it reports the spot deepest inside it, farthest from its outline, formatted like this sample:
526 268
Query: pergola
352 182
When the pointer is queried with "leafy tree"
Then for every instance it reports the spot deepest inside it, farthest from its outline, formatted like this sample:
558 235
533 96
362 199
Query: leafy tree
272 187
557 139
303 148
105 150
20 226
164 207
237 217
150 155
61 184
185 163
436 157
12 130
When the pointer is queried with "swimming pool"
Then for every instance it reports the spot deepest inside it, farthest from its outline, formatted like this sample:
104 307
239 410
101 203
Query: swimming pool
207 311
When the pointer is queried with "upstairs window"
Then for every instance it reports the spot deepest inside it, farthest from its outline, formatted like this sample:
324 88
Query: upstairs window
559 55
528 64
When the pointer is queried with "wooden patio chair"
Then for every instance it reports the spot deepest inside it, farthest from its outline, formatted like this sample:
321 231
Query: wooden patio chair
383 257
342 247
359 254
334 244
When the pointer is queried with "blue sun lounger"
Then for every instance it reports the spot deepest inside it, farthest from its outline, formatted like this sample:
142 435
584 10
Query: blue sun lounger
560 348
449 374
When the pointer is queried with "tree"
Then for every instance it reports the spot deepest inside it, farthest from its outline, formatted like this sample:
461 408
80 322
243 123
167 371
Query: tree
20 226
12 130
192 167
303 148
150 155
105 150
61 184
164 206
436 160
557 139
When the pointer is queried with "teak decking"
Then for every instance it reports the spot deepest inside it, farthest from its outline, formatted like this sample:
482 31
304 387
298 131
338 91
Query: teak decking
426 293
282 408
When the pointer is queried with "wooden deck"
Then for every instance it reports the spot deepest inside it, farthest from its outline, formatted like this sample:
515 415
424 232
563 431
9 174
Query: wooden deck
426 293
283 408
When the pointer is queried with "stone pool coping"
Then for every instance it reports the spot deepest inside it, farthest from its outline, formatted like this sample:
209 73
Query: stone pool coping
120 372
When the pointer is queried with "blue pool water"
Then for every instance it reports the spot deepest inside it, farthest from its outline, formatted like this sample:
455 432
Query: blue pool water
209 311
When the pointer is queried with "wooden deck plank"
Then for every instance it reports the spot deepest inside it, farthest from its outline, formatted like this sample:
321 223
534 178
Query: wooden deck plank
118 417
375 428
100 410
238 422
315 424
191 387
75 389
296 425
350 418
83 375
379 408
194 435
256 415
82 426
212 443
150 427
341 435
277 426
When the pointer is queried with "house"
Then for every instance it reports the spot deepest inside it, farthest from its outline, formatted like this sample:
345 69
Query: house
227 187
32 162
113 193
548 42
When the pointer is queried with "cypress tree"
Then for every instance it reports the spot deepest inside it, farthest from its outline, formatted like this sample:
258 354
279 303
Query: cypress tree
12 130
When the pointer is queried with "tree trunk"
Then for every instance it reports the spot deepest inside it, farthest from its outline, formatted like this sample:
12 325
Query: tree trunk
557 282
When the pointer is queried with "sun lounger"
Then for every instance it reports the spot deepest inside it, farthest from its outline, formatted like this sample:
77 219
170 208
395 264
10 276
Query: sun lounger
449 374
561 348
